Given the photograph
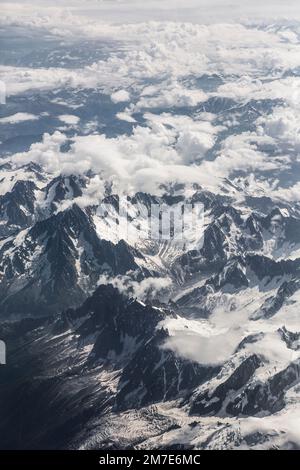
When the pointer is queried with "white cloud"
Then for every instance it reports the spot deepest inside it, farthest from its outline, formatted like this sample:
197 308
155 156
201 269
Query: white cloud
162 152
283 126
212 350
209 342
69 119
22 79
120 96
18 117
169 149
145 290
168 95
125 116
246 88
169 51
194 143
45 153
290 194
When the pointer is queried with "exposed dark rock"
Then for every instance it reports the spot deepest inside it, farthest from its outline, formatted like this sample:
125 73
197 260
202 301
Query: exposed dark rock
212 402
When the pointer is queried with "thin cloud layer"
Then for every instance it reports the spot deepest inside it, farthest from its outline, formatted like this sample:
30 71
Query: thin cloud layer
203 11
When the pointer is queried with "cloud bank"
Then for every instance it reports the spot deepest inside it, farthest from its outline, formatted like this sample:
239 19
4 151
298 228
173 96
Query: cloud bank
156 79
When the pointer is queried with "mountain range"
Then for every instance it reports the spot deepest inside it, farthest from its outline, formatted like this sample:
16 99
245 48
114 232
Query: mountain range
194 346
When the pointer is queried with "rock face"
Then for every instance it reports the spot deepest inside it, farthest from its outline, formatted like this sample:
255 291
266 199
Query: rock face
126 336
266 397
212 402
274 303
17 208
57 262
155 375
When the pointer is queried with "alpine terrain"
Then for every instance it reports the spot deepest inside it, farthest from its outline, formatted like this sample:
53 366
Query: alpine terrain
116 338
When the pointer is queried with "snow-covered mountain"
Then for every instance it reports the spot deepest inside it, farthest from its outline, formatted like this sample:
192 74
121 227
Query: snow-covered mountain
55 251
138 314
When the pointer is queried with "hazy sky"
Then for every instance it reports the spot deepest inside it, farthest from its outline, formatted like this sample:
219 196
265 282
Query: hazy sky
182 10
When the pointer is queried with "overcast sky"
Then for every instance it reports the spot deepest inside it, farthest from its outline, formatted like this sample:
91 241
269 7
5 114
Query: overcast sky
182 10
